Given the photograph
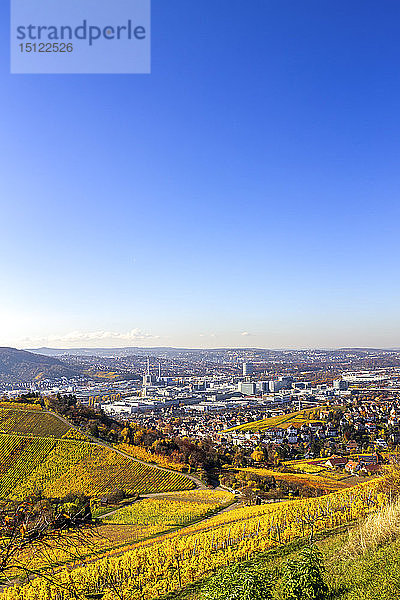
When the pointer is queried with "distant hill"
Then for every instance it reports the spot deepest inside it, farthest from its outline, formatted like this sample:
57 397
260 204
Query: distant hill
20 366
105 352
167 351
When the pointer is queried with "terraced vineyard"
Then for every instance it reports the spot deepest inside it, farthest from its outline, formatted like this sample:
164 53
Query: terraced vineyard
19 456
327 482
40 452
151 569
31 422
296 419
172 510
141 521
143 454
57 467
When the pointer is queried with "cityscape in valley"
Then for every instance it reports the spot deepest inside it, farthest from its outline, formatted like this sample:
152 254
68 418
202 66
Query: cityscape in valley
160 473
254 408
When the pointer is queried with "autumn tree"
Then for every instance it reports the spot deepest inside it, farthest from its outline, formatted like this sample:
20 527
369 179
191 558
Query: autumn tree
39 529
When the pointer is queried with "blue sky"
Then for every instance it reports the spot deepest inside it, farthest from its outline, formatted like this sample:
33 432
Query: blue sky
246 193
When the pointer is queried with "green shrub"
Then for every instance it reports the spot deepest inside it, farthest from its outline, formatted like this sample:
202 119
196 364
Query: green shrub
302 577
238 582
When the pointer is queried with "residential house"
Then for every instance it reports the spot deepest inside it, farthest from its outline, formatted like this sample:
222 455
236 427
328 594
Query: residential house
336 462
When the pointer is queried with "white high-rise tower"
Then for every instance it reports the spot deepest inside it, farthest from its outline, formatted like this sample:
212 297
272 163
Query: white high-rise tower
147 377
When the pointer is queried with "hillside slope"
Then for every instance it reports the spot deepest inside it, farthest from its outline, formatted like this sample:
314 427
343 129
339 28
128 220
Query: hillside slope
166 564
31 422
20 366
373 575
39 454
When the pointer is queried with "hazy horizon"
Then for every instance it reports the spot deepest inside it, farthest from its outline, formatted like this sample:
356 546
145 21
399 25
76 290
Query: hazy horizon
273 349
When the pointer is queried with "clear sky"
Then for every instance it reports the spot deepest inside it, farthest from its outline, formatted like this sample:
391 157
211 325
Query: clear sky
246 193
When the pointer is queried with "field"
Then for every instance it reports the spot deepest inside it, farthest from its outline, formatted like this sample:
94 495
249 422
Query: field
316 467
57 467
173 510
31 422
101 374
308 466
370 575
39 452
142 520
327 481
296 419
151 569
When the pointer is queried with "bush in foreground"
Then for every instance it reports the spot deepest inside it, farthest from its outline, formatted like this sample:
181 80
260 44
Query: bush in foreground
238 583
302 577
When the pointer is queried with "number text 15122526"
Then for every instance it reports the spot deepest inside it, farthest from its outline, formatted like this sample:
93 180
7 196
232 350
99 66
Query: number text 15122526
46 47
